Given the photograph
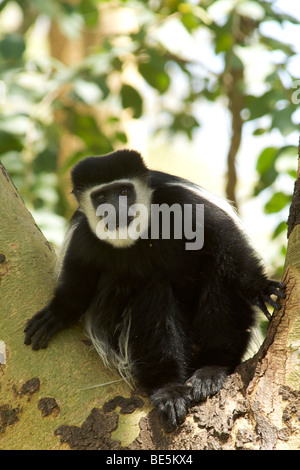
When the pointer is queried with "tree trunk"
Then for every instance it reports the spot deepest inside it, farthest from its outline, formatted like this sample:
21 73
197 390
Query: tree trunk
46 399
40 391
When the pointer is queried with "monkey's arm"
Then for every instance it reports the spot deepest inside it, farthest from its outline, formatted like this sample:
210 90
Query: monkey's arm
239 264
71 299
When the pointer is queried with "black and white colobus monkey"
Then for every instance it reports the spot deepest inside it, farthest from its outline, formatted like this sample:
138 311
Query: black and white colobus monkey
176 320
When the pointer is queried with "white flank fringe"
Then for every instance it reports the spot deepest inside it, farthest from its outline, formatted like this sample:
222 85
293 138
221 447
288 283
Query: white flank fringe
111 358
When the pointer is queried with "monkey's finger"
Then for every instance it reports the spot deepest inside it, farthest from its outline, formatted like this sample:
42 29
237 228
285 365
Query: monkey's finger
272 302
37 319
279 285
263 308
36 341
168 415
181 410
281 294
51 332
31 329
277 289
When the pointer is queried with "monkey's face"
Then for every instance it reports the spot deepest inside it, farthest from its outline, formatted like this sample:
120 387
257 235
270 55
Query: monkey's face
118 212
112 202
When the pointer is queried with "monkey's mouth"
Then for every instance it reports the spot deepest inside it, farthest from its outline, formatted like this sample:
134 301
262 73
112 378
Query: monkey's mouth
118 224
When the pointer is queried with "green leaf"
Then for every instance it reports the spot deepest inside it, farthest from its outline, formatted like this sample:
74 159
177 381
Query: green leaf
223 42
102 84
3 4
122 137
87 128
259 106
158 79
259 131
46 161
190 21
132 99
235 62
224 38
266 169
292 173
266 159
277 202
12 46
9 142
186 123
275 44
281 227
89 12
154 72
289 151
282 119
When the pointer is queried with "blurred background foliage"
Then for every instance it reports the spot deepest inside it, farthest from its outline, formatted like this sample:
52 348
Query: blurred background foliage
76 73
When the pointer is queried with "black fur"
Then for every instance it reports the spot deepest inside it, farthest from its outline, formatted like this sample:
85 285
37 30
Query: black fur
191 311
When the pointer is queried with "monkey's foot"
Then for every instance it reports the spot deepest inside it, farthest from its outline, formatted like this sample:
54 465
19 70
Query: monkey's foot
206 382
172 402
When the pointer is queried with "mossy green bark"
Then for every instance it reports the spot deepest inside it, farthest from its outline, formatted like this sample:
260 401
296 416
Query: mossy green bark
66 368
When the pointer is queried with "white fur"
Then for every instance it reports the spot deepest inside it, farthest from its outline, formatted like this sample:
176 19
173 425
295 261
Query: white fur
120 360
256 340
218 201
64 247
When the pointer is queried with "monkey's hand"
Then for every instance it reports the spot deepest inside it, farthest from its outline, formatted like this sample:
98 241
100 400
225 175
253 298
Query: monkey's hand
206 382
271 288
172 402
41 327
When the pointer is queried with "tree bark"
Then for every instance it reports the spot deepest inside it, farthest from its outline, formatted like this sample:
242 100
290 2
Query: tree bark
41 391
45 397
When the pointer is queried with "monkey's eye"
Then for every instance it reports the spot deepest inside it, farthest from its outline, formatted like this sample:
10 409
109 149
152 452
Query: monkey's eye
124 192
101 197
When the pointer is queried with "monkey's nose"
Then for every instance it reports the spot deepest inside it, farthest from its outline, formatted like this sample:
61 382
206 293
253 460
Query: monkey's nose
120 223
